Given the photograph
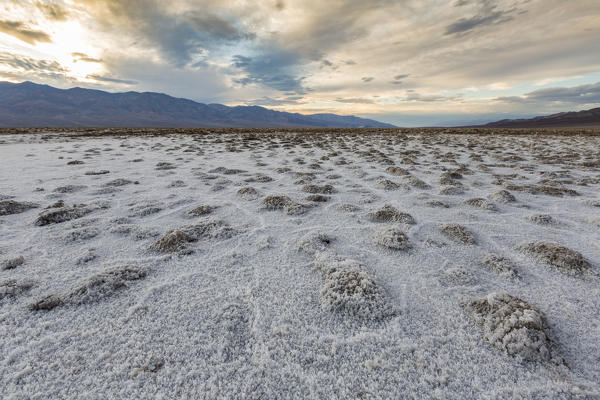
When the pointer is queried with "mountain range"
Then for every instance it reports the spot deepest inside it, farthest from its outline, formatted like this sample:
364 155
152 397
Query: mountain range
574 119
29 104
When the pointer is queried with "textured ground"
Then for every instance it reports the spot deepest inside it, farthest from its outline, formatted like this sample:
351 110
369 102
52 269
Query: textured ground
313 265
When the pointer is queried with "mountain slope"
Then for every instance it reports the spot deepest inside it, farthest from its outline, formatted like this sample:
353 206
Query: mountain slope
29 104
585 118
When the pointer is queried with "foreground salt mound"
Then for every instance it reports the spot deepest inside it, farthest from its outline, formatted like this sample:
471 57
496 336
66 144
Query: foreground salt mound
563 258
512 325
92 289
503 196
176 240
501 265
391 238
10 207
62 214
353 293
14 287
480 203
248 193
314 242
349 291
388 213
12 263
458 233
274 202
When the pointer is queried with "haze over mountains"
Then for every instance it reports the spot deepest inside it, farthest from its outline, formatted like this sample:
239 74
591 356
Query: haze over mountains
31 105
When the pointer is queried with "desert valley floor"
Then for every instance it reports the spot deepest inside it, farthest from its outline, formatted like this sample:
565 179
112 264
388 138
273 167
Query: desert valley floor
310 264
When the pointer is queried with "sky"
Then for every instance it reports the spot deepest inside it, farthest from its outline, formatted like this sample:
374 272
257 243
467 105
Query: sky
407 62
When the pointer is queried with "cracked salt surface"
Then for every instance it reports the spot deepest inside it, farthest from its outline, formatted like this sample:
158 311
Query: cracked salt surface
148 282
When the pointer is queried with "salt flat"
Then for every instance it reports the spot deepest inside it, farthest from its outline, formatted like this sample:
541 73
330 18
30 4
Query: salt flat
313 264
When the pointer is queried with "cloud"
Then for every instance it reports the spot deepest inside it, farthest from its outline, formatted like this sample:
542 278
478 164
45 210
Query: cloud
274 68
178 35
17 67
357 100
84 57
367 79
488 14
413 96
267 101
108 79
24 63
582 94
52 11
23 32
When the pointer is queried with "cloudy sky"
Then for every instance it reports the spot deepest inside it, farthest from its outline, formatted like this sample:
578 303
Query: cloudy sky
408 62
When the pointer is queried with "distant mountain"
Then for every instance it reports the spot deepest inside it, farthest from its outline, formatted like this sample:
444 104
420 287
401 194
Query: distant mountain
574 119
31 105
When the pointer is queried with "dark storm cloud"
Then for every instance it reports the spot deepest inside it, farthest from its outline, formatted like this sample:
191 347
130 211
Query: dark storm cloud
23 32
273 68
178 36
108 79
583 94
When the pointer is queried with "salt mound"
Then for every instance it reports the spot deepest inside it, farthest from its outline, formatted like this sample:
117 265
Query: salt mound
481 203
12 263
273 202
512 325
201 210
352 293
559 256
314 241
210 228
390 214
386 184
417 183
500 265
458 233
503 196
542 219
63 214
172 241
118 182
348 290
436 203
397 171
451 191
345 207
10 207
318 198
284 203
82 234
248 193
92 289
69 189
391 238
322 189
14 287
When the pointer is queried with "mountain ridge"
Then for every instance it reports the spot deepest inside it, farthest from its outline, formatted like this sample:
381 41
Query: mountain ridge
29 104
574 119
